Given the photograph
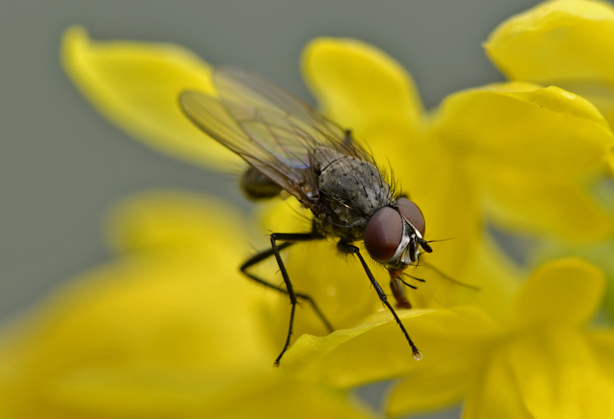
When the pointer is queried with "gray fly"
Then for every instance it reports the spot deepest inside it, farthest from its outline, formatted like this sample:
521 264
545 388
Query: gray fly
291 147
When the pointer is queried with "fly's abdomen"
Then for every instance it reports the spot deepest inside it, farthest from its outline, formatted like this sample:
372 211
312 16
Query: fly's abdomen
256 185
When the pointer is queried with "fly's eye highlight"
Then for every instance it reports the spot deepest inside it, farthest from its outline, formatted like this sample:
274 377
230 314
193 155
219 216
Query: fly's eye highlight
412 213
383 234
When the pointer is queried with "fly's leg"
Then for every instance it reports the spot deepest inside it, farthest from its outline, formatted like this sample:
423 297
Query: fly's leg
399 292
288 239
261 256
351 249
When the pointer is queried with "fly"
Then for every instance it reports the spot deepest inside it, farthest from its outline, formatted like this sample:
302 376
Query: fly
293 149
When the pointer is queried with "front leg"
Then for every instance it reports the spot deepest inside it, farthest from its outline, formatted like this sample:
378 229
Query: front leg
351 249
290 237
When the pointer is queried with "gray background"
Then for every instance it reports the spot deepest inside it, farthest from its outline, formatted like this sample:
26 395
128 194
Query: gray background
62 165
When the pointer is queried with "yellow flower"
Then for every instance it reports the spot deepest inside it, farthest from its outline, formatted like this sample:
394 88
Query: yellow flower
539 363
569 43
514 154
137 85
168 329
516 144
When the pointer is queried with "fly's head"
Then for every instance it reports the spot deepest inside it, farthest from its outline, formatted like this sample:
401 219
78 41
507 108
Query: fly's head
394 235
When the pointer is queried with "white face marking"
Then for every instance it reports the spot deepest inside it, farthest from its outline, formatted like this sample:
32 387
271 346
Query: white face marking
402 252
403 245
417 252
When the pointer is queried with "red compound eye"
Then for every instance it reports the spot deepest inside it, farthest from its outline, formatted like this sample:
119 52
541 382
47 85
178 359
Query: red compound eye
383 234
412 213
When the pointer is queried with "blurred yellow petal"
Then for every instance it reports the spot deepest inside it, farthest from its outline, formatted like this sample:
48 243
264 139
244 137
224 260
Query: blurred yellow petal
376 349
494 393
556 41
448 199
148 336
546 374
599 254
285 398
162 220
497 277
565 292
365 90
427 393
361 87
558 376
545 132
519 202
602 343
137 85
164 332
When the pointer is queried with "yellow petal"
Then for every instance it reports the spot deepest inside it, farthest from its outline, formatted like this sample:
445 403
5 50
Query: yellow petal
377 350
565 43
363 89
557 375
494 393
148 336
555 42
428 393
158 335
285 397
542 132
496 276
162 220
563 292
137 85
599 254
602 343
443 190
521 202
611 162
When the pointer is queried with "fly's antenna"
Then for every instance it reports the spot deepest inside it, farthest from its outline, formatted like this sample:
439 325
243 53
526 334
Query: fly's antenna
425 243
441 240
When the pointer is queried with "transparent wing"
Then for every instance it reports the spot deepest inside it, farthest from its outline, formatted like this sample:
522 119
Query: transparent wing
306 128
271 129
212 117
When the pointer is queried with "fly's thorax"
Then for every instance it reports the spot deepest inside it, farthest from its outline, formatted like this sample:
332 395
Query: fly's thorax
394 234
351 187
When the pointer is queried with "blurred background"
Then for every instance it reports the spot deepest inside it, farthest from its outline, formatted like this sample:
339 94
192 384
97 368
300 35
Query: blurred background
63 165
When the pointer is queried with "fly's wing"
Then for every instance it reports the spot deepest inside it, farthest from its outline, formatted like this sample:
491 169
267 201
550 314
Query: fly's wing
271 129
269 104
209 114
